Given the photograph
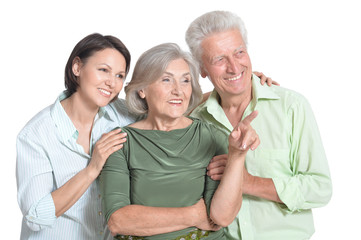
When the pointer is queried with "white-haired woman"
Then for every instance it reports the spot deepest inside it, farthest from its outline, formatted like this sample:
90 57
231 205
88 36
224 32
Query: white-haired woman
161 170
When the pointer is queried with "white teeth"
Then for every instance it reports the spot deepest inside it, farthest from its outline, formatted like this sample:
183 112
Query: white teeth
175 101
104 91
235 78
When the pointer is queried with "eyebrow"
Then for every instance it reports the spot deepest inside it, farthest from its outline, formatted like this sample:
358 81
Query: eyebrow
187 73
110 67
236 50
239 48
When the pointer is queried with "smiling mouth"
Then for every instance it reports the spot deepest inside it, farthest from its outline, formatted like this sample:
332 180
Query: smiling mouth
235 78
105 92
175 101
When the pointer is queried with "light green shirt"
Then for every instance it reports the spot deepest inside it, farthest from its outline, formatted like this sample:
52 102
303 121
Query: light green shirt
291 153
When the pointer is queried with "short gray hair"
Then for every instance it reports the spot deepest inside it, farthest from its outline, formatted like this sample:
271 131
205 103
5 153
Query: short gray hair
208 24
150 67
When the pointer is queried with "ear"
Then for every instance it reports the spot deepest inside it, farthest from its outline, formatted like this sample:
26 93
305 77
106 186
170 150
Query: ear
141 94
76 66
204 74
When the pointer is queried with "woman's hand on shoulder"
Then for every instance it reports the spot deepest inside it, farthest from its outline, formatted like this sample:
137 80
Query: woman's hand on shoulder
109 143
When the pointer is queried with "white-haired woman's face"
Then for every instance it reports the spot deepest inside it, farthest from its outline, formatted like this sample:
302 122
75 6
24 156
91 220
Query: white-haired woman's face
168 97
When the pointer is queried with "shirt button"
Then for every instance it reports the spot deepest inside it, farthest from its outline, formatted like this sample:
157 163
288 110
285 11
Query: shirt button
100 213
101 233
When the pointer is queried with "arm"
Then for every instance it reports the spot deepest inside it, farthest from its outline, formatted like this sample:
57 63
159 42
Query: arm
34 182
260 187
127 219
68 194
310 184
252 185
227 199
141 220
38 202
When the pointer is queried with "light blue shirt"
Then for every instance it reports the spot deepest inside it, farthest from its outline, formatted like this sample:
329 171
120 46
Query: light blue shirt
47 157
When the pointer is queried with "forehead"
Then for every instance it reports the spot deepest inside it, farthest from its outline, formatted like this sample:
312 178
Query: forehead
107 55
222 42
177 65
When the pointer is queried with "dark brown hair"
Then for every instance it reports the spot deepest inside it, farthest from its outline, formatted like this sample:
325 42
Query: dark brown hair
86 48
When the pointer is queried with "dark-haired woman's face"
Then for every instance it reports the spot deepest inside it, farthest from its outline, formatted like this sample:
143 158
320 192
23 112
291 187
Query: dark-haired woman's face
101 77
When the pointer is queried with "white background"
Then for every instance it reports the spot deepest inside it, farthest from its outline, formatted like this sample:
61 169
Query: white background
311 46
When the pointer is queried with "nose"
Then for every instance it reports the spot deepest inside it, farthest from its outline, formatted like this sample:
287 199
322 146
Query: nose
110 81
232 66
176 88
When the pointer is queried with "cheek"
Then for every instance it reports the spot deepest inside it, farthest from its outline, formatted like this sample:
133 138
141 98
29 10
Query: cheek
119 86
188 92
217 72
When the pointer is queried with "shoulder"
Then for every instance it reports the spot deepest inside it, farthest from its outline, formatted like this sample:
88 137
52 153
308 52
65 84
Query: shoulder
290 98
207 126
118 111
41 121
198 111
288 94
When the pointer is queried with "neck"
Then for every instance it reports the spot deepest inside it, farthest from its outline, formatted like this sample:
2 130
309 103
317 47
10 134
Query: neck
164 124
234 106
79 111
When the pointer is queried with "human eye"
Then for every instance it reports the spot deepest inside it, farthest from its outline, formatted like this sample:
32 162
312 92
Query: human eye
240 53
103 70
218 61
186 80
165 79
120 76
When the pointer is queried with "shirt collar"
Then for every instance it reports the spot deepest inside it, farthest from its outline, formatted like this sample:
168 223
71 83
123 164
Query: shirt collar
262 92
62 121
259 92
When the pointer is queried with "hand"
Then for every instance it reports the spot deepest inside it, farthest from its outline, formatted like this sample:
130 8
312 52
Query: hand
243 136
216 167
265 79
202 221
106 145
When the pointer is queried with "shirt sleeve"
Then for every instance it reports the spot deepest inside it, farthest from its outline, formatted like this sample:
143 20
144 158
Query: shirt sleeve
115 183
310 184
35 183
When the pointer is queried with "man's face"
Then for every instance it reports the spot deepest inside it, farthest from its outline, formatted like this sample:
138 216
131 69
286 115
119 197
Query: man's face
227 63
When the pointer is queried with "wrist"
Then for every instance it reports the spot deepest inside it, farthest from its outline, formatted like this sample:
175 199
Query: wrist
92 172
236 155
191 216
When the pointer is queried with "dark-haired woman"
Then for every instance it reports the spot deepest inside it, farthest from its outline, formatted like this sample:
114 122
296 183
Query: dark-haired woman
57 160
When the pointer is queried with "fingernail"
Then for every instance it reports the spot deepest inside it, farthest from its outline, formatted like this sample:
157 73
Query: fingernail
244 146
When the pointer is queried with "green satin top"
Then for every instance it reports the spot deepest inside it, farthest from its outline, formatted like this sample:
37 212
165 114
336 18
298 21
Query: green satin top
163 169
